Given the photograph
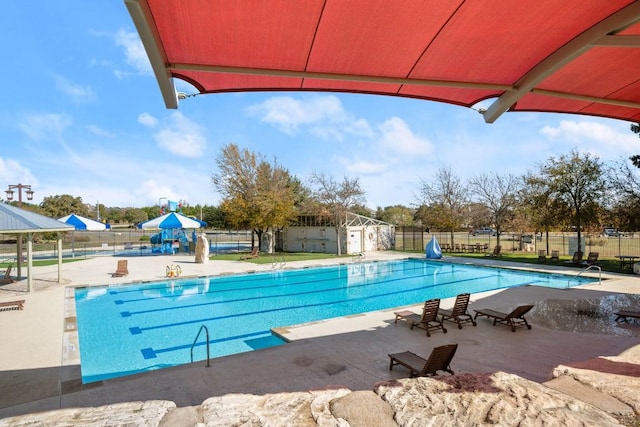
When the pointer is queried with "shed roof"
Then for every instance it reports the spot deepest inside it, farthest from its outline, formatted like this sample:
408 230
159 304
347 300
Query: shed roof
17 220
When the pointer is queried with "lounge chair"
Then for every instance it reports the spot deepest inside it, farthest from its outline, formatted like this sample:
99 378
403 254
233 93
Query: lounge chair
592 259
122 269
555 256
6 279
542 256
459 312
427 321
254 253
624 315
576 260
513 319
12 305
439 360
496 252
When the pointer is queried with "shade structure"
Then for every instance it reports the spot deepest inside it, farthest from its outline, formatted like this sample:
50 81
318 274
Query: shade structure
169 221
82 223
572 56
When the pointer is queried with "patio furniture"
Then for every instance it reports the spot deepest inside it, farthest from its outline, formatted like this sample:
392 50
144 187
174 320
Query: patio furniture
12 305
6 279
625 315
254 253
439 360
496 251
513 319
555 256
122 269
592 259
542 256
427 321
459 312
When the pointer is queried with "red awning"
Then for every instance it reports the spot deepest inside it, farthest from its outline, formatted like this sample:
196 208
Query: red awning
572 56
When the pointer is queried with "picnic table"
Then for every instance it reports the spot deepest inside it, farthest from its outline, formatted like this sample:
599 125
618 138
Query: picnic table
627 260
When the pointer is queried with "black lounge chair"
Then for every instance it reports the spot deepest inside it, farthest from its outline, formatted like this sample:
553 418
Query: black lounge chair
513 319
439 360
459 312
542 256
427 321
624 315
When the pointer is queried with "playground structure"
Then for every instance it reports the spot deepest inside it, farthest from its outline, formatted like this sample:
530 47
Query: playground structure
170 241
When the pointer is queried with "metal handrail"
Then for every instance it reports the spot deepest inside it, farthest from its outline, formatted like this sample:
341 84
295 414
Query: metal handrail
587 269
206 330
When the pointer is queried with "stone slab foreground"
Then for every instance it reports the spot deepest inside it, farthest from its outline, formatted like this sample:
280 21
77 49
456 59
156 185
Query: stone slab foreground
466 399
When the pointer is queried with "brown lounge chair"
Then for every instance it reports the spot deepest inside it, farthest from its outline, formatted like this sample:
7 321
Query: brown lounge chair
592 259
7 277
427 321
122 269
513 319
576 260
555 256
253 254
459 313
624 315
439 360
496 252
12 305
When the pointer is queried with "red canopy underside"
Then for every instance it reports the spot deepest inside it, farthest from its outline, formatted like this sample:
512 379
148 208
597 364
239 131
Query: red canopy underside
573 56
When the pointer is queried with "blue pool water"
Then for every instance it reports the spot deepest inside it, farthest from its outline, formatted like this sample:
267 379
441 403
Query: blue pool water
134 328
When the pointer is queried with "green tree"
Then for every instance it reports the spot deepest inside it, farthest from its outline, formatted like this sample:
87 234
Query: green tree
397 214
576 181
445 197
65 204
499 193
134 216
337 198
256 194
544 211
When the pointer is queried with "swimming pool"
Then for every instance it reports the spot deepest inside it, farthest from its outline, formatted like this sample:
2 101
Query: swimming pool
129 329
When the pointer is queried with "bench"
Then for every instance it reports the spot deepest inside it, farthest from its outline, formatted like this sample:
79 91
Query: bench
624 315
12 305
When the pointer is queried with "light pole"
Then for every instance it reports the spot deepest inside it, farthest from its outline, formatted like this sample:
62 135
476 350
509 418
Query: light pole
29 193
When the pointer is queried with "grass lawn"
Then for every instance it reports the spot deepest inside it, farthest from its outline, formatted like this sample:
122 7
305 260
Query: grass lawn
611 265
277 257
43 262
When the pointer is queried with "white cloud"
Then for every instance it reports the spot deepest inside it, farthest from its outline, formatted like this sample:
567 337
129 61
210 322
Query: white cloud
605 140
397 136
135 54
44 126
11 171
96 130
147 120
361 167
181 137
323 115
74 91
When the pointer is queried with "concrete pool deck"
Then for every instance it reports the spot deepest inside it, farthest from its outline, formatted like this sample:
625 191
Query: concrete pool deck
39 367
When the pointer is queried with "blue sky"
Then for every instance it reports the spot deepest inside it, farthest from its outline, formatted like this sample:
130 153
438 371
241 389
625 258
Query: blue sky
83 115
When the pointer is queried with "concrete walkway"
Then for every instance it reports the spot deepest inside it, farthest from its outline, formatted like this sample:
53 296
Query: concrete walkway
39 363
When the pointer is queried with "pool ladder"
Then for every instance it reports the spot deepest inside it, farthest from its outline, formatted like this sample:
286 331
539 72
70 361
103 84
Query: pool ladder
584 271
206 330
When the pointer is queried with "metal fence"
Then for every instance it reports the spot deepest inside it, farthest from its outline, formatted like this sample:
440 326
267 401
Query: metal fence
416 238
125 241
